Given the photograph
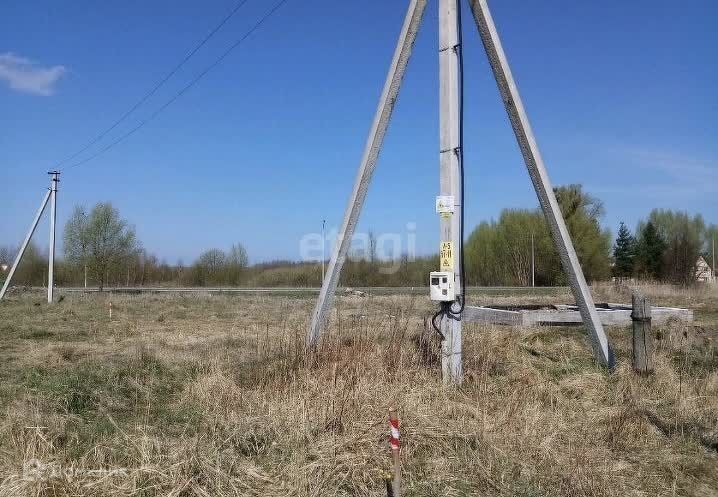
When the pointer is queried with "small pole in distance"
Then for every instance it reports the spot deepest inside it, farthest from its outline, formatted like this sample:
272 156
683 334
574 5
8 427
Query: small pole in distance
533 262
324 242
54 179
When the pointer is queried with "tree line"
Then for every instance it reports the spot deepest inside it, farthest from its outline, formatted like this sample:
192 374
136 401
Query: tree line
665 247
102 249
517 249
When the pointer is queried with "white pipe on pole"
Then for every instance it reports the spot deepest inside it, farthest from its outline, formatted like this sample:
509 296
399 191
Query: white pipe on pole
25 244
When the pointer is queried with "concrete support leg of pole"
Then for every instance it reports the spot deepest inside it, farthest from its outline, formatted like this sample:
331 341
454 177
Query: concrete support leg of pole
539 177
366 168
25 243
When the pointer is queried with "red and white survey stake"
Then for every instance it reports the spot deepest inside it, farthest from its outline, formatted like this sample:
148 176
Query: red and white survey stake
394 442
394 434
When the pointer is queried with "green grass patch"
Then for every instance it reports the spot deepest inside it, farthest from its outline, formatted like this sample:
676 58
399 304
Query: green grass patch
126 389
98 397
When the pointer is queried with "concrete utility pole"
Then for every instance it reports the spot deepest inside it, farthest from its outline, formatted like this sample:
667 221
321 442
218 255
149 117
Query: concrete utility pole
450 176
324 243
533 262
25 243
539 177
366 168
450 184
53 218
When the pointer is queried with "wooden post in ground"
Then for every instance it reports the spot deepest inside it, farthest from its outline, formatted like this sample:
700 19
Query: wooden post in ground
642 335
389 482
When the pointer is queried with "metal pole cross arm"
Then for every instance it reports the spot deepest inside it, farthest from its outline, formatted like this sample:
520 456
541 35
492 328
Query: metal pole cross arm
366 169
539 177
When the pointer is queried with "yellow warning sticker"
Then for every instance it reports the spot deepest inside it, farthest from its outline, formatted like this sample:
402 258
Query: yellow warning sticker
446 256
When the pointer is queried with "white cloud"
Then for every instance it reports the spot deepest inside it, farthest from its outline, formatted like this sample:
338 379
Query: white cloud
27 76
662 173
681 170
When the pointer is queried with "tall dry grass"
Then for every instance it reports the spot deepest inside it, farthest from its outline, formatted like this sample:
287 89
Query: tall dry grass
214 396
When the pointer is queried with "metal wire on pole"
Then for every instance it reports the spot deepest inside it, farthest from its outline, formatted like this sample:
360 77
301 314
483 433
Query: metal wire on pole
157 86
194 81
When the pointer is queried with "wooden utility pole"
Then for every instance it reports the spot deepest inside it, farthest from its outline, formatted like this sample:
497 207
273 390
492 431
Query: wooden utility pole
450 148
642 335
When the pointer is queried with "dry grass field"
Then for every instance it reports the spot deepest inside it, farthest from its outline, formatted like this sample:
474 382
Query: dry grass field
203 395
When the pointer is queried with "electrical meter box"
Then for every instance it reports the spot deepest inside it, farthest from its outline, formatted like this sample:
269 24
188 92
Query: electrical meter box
441 284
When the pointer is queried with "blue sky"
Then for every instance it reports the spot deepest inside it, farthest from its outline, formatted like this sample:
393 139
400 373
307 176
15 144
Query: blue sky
621 96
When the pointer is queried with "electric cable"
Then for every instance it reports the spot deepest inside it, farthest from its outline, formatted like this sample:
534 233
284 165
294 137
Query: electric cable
460 55
158 85
436 327
251 31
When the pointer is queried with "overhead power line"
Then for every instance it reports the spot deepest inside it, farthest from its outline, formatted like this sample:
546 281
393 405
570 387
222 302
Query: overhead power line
158 85
154 89
214 64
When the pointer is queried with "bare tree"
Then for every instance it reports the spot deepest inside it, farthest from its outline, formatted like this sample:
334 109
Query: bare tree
237 262
75 239
208 267
101 240
6 255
